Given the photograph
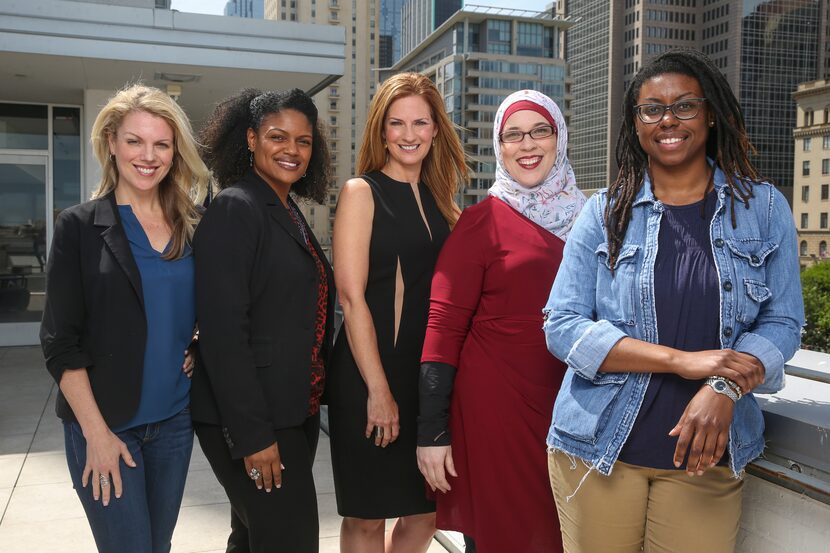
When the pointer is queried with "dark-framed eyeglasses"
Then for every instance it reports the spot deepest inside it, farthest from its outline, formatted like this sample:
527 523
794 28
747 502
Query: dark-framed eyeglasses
684 109
536 133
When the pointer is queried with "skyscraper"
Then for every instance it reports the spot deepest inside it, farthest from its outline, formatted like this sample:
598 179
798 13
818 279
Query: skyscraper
420 17
252 9
765 48
390 32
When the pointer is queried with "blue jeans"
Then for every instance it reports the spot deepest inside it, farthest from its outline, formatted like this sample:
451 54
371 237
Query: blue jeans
143 519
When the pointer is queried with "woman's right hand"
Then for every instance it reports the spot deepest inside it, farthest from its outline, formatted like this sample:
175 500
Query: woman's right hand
382 412
435 462
743 369
103 453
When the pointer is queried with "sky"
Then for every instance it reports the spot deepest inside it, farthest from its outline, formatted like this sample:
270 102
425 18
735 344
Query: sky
217 7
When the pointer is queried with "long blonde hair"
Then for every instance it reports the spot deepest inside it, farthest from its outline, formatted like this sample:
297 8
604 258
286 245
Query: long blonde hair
444 168
184 185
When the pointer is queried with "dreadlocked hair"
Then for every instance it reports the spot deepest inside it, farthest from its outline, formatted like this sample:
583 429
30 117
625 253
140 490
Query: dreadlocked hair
728 143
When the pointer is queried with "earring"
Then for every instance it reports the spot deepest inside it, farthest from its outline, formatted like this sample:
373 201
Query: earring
303 176
385 146
711 123
251 159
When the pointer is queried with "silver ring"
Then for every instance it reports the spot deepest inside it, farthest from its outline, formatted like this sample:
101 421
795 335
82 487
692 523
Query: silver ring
379 431
254 474
104 480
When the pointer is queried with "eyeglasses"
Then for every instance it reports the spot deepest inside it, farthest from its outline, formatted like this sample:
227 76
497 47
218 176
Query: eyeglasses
537 133
688 108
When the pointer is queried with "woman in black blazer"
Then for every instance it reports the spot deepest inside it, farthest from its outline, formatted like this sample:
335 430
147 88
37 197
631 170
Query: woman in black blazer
120 311
264 300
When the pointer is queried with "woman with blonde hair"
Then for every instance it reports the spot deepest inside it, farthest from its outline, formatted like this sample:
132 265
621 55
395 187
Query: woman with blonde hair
391 223
119 316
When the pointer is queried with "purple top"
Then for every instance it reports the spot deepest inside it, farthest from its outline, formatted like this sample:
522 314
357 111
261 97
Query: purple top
687 301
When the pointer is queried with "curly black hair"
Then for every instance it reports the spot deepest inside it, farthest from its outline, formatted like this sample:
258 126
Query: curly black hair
224 142
728 143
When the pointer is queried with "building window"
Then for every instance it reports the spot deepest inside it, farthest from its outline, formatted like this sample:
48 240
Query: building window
808 118
823 220
825 191
822 249
802 248
805 168
804 220
825 142
825 166
805 193
530 39
806 144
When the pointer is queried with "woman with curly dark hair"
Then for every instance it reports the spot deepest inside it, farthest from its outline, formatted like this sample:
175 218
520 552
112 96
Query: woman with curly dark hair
677 299
264 303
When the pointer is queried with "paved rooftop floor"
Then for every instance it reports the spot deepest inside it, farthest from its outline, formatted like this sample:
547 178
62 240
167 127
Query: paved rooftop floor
39 510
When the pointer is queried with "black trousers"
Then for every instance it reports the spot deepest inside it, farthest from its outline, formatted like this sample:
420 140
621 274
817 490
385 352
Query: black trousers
283 521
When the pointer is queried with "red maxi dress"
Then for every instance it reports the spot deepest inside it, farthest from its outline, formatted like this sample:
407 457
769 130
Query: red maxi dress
491 281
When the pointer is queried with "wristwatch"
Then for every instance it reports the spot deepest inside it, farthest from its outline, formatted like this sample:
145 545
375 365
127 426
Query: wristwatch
721 386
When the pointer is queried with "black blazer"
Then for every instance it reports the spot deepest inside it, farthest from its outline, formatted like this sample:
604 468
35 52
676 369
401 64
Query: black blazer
256 306
94 315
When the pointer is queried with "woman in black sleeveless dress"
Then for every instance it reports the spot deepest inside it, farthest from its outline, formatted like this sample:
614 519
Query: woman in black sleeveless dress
391 223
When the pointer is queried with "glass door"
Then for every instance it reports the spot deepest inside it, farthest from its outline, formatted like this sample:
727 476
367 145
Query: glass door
25 231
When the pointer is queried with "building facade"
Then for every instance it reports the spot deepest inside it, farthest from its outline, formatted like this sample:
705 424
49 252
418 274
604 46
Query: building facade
252 9
421 17
763 47
59 63
811 193
390 32
477 58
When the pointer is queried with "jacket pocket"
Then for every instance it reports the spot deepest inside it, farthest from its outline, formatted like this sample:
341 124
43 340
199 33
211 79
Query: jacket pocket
750 259
616 296
583 407
263 350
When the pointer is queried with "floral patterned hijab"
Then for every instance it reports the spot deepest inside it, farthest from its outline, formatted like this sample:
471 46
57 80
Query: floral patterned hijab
554 203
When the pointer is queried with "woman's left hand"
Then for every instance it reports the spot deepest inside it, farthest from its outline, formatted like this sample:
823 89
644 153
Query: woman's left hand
704 431
189 363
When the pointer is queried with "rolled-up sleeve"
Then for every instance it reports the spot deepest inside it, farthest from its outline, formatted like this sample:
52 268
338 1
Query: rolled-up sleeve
571 330
63 315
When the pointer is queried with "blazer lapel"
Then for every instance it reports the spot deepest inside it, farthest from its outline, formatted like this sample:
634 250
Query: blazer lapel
276 210
280 213
106 215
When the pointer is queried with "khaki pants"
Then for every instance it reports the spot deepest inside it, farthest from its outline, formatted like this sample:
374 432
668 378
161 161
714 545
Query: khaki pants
660 511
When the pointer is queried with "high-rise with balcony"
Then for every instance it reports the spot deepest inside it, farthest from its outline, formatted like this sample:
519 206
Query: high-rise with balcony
765 48
344 104
477 58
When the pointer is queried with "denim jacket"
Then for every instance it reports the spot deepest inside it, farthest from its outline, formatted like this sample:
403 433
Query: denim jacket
589 311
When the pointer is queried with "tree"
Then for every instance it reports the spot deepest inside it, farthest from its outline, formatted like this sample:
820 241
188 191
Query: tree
815 283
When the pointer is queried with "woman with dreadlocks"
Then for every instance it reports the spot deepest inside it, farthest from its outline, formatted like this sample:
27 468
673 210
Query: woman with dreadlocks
677 297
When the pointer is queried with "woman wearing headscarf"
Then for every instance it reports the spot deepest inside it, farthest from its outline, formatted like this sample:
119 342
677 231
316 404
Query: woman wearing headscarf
487 380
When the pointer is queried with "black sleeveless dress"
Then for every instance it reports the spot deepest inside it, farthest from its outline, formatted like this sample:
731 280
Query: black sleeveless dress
373 482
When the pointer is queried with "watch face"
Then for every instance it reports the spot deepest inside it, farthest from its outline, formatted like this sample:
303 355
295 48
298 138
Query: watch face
720 386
